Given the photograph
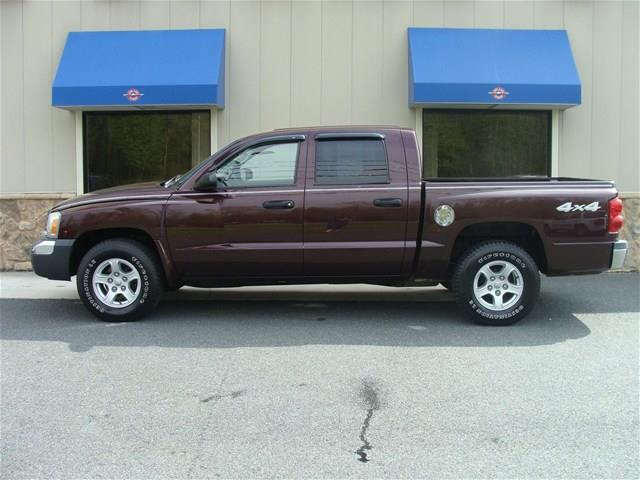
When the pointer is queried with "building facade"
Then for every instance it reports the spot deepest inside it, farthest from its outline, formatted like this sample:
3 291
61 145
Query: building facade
297 63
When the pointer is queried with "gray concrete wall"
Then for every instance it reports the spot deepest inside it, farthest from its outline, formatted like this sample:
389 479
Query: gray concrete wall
300 63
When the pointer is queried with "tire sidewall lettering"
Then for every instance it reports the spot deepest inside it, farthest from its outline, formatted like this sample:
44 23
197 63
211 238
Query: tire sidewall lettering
502 256
497 315
87 288
143 272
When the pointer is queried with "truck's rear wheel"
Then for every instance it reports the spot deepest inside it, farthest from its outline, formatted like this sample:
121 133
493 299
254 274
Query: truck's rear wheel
118 280
497 283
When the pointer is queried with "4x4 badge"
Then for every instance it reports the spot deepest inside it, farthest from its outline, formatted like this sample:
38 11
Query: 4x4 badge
575 207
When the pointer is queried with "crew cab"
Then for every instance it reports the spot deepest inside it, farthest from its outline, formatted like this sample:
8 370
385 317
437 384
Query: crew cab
331 205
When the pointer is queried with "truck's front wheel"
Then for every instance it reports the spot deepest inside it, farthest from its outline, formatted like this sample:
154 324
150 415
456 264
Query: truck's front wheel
118 280
497 283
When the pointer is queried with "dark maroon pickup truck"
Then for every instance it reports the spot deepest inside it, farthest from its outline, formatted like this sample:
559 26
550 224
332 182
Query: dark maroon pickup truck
331 205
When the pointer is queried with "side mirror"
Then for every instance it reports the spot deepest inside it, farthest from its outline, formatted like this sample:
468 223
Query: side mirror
207 182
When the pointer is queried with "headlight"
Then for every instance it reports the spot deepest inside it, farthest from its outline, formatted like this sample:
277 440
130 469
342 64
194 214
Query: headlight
53 224
444 215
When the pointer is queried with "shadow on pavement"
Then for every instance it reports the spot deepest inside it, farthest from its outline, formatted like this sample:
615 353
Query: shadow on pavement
244 322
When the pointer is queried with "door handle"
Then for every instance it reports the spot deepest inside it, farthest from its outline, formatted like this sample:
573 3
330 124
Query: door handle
279 204
387 202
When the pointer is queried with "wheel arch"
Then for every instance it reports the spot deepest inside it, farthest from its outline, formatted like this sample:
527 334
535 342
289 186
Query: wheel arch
91 238
525 235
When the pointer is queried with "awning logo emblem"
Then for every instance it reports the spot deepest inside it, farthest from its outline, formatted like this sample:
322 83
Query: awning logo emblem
498 93
133 94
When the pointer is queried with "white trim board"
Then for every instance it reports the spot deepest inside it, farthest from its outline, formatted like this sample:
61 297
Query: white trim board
555 141
213 125
79 155
419 130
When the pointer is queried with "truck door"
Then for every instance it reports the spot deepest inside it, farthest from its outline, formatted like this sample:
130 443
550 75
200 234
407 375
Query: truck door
355 213
252 224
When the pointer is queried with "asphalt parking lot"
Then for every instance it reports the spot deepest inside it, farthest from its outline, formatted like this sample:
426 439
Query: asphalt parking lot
325 387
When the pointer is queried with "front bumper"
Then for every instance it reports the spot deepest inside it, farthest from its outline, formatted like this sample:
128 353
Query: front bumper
51 258
618 254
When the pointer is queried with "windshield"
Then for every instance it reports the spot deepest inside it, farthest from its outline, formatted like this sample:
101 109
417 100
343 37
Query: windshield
180 180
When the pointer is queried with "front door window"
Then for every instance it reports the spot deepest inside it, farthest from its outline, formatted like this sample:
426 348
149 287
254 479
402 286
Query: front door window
270 165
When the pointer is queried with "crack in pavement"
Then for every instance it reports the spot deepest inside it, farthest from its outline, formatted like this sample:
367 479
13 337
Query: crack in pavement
197 456
217 396
365 443
371 400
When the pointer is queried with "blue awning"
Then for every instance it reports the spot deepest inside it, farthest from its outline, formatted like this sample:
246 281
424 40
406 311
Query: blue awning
517 68
141 68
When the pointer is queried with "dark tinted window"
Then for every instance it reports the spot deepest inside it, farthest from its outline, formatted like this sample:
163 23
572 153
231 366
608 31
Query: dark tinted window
486 143
129 147
348 162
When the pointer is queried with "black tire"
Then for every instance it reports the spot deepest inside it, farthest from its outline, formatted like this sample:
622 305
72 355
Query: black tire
466 273
134 254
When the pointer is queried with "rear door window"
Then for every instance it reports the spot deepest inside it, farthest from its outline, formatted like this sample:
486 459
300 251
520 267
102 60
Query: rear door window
351 162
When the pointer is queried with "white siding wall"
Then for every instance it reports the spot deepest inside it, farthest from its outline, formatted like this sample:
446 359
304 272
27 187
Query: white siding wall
311 62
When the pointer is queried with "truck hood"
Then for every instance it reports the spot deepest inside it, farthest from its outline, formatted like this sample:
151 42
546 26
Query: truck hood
137 191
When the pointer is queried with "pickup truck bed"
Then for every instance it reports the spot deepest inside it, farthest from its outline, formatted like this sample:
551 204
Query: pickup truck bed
567 241
330 205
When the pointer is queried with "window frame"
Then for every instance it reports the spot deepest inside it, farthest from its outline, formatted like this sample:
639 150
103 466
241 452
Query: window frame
551 125
282 141
341 137
82 179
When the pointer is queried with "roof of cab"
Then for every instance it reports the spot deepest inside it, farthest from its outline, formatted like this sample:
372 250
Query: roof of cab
340 128
307 131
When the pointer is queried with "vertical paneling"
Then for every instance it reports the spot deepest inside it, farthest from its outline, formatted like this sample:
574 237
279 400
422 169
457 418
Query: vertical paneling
12 170
428 13
518 14
628 174
548 14
155 15
216 15
394 108
575 148
313 62
125 14
459 13
275 65
367 70
489 13
96 14
244 68
337 48
306 63
65 19
185 14
37 96
607 67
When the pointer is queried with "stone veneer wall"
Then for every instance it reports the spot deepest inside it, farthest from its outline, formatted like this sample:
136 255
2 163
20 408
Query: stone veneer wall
631 230
22 219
